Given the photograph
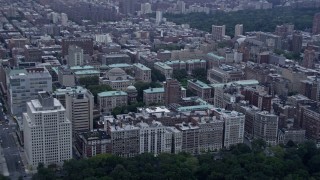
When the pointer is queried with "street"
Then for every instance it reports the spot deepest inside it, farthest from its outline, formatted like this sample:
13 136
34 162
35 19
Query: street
10 149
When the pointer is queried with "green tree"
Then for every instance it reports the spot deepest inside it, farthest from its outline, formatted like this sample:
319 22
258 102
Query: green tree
200 74
156 75
89 81
180 74
96 89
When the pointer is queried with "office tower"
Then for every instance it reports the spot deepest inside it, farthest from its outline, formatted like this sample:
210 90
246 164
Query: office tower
238 30
84 43
127 7
316 24
266 127
296 42
158 17
172 91
75 56
47 131
79 107
309 58
24 85
233 126
218 32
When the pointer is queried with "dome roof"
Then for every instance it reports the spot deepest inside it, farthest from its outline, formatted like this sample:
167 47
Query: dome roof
131 88
117 72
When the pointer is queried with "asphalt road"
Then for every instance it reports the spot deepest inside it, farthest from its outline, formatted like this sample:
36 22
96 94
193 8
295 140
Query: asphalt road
10 149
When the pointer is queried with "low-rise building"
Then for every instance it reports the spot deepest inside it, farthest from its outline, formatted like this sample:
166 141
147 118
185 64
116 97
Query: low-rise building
200 88
110 99
142 72
117 79
164 69
224 74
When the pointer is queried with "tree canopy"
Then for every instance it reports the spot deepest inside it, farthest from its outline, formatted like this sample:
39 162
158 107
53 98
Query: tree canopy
252 20
240 162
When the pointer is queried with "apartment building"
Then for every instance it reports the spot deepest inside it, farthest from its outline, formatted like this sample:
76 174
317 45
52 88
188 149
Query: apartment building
233 126
201 135
92 143
266 127
125 138
154 138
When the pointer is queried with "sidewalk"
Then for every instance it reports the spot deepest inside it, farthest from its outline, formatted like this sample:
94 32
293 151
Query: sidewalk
22 154
3 164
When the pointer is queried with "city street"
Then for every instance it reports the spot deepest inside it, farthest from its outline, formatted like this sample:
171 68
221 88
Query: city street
10 149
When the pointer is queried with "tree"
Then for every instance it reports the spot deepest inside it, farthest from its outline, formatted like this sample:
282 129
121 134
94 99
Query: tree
200 74
156 75
180 74
89 81
96 89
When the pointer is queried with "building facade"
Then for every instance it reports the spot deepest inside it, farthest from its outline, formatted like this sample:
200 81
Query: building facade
24 85
47 131
142 72
110 99
266 127
79 110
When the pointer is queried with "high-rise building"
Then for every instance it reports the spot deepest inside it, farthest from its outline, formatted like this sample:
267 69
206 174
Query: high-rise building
238 30
309 58
296 42
233 126
266 127
172 91
79 110
316 24
47 131
218 32
158 17
75 56
24 85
